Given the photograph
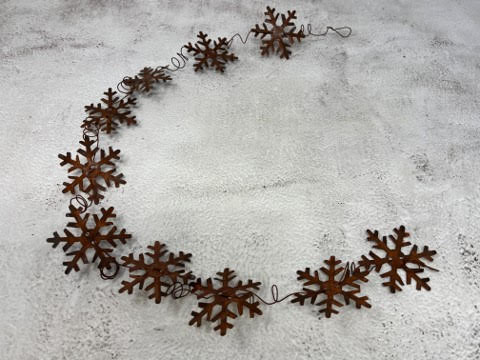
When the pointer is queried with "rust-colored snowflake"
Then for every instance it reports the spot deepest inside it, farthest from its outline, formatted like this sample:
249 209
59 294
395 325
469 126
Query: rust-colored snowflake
281 35
115 111
145 80
346 286
89 173
99 239
164 273
397 260
215 56
222 298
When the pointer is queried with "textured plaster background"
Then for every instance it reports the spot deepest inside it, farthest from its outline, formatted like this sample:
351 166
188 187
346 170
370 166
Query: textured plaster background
269 168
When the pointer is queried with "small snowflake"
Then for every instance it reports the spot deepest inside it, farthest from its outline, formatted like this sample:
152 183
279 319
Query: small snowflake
208 56
146 80
222 298
281 35
397 260
163 273
107 118
99 239
328 289
91 171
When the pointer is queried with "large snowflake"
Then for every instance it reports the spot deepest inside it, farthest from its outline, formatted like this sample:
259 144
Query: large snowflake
99 239
145 80
217 309
345 286
398 260
163 273
215 56
106 118
87 174
280 35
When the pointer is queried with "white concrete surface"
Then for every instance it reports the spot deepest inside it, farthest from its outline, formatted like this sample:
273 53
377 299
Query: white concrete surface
269 168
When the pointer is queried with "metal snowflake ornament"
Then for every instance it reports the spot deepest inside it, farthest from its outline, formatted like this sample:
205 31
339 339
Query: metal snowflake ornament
334 286
162 273
89 173
207 56
99 240
217 309
398 260
280 34
108 117
145 80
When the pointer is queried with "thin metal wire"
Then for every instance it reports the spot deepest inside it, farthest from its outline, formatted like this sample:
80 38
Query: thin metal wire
179 61
337 30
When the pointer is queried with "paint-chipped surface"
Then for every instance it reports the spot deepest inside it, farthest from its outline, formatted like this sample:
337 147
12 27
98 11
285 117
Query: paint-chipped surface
269 168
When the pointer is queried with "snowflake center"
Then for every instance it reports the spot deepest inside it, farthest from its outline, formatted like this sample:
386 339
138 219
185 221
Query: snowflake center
210 53
90 169
90 236
277 32
333 288
397 262
226 295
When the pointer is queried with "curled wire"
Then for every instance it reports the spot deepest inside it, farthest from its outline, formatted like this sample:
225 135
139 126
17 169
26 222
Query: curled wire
82 202
106 264
274 293
178 62
124 86
305 29
337 30
179 290
239 36
90 132
352 268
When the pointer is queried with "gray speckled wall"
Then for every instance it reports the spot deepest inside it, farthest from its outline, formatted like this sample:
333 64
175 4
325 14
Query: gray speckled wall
269 168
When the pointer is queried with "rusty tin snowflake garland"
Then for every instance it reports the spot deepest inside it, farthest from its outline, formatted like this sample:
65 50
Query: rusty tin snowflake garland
91 237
